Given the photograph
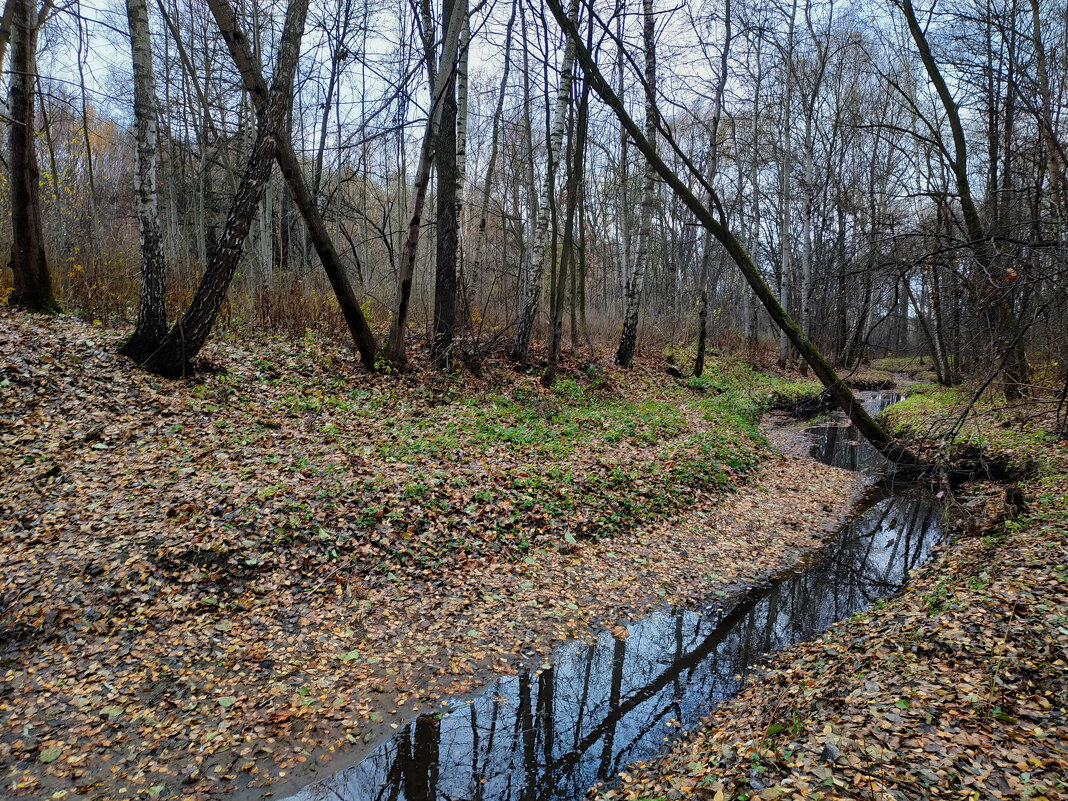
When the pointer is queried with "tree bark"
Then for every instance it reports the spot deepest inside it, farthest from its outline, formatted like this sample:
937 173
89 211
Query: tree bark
628 339
395 348
288 164
173 358
32 288
536 269
151 324
713 168
574 184
843 397
447 218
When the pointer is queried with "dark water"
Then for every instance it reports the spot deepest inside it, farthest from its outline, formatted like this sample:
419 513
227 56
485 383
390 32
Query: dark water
552 733
841 445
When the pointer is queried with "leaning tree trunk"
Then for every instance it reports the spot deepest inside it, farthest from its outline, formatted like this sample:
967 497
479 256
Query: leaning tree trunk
182 343
303 198
839 392
628 339
528 313
152 311
32 283
1001 311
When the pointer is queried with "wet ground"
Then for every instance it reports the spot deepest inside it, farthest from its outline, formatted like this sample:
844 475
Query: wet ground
589 711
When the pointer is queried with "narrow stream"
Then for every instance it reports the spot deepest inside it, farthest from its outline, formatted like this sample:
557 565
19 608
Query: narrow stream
549 735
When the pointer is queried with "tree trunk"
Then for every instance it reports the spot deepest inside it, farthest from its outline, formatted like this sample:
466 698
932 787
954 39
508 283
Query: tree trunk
713 169
575 173
152 311
1001 311
252 76
182 343
843 397
32 282
628 339
395 348
536 269
448 223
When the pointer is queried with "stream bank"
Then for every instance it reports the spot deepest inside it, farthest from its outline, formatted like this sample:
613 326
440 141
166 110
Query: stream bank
956 689
225 585
591 709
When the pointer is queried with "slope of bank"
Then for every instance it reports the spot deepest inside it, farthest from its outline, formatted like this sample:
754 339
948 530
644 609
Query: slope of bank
957 689
222 583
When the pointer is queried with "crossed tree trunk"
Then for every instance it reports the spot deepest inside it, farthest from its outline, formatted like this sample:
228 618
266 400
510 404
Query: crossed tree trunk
169 353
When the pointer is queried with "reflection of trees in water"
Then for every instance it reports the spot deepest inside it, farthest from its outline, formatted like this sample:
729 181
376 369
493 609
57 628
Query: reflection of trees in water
832 446
537 737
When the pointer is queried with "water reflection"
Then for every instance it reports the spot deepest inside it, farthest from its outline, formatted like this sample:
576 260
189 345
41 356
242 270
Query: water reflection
549 735
841 445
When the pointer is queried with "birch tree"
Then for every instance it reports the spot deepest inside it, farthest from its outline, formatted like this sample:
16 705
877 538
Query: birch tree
173 358
628 339
531 300
152 310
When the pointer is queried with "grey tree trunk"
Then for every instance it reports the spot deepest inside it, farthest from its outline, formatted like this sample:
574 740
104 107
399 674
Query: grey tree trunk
536 269
396 352
713 168
183 342
628 339
152 311
446 260
842 395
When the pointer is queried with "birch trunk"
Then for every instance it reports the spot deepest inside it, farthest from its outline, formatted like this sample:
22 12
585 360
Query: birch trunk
183 342
536 269
628 339
152 310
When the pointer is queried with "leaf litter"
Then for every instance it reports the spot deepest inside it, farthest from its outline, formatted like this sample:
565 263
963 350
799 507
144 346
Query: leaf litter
214 585
958 689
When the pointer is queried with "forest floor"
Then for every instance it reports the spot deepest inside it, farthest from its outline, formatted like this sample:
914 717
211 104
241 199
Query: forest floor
956 689
221 583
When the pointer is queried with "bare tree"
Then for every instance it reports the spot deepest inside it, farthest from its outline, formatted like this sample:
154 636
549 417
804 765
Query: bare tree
838 390
183 342
152 310
532 299
440 82
361 333
628 339
32 283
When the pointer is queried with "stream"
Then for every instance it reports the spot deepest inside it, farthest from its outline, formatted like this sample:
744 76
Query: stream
549 734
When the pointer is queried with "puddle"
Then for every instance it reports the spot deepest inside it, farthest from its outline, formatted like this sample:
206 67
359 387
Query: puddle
552 733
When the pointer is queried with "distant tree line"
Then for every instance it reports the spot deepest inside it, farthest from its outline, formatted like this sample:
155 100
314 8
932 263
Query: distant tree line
458 174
